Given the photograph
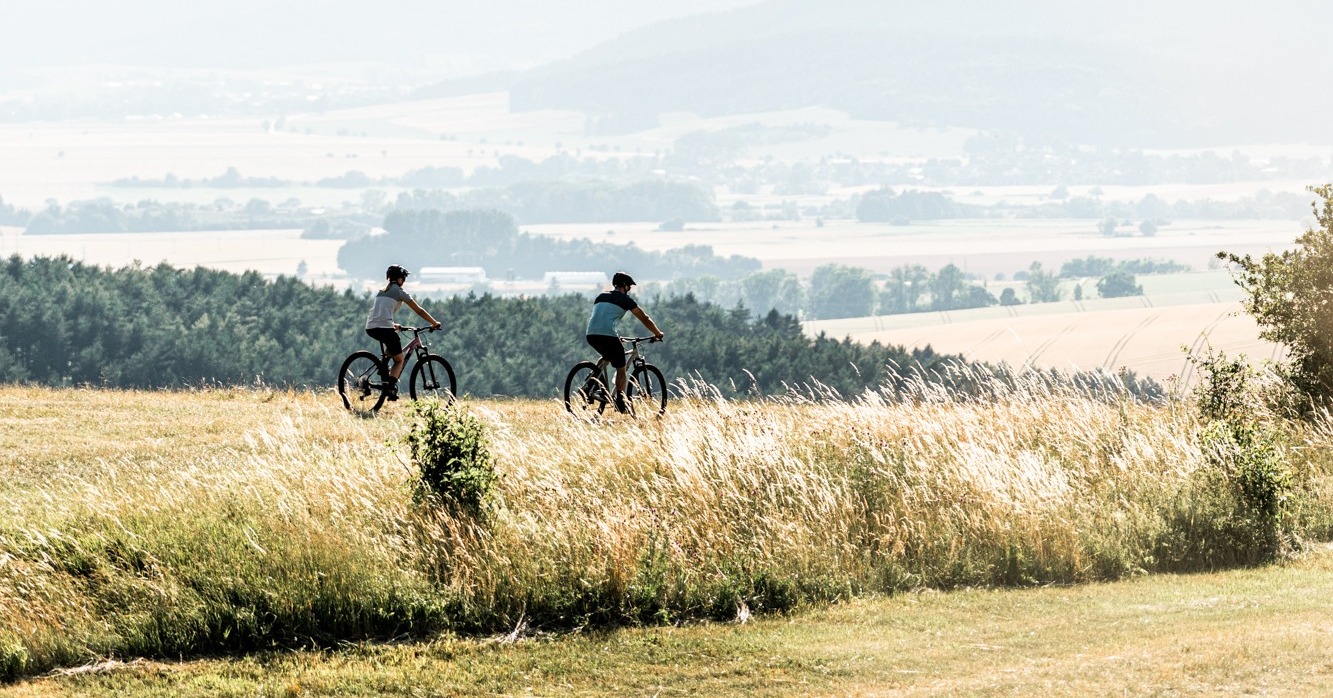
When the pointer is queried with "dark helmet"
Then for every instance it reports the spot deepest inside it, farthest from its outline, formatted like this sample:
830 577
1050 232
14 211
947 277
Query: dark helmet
396 271
622 279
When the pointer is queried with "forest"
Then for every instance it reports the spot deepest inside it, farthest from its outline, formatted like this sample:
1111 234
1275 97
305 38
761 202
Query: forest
65 323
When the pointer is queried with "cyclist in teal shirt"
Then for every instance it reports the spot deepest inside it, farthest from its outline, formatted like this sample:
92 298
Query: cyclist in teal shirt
607 310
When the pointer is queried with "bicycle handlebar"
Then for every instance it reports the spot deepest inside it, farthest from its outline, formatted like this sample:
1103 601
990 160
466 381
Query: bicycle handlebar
418 330
636 340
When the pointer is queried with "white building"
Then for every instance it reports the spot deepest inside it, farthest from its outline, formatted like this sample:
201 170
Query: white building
452 275
575 279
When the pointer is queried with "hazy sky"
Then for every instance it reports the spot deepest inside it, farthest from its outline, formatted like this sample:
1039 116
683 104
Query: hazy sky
1242 59
521 33
271 33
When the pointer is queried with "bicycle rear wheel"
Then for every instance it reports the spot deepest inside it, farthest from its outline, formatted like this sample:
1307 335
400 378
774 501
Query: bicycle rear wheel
361 382
433 377
647 391
585 392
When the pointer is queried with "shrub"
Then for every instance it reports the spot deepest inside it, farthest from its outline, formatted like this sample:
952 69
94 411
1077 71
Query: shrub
1249 459
1225 389
13 660
1289 298
1248 471
452 454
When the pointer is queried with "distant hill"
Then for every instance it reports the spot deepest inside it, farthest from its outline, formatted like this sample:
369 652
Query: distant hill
1133 74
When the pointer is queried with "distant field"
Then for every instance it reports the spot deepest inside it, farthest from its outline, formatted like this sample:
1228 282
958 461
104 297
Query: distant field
981 247
269 252
1150 341
76 159
1180 315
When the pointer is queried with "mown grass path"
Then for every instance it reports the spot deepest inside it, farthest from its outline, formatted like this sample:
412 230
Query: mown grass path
1262 631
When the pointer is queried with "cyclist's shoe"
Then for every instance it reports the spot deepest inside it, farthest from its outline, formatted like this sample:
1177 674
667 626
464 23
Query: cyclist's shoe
621 406
391 392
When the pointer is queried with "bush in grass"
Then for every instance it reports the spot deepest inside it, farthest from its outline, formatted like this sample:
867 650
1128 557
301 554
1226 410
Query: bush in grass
1249 474
1250 461
13 659
452 455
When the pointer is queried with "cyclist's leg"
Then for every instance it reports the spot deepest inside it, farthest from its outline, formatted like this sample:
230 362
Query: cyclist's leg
393 352
399 361
613 353
622 380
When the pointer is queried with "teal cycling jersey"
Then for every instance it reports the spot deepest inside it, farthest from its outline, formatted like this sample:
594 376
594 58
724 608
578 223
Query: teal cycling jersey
607 311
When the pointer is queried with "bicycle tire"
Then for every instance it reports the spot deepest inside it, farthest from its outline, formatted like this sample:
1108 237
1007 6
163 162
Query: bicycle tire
433 377
360 382
585 393
647 391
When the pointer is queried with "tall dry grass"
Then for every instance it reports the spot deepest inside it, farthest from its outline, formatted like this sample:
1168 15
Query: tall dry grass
305 531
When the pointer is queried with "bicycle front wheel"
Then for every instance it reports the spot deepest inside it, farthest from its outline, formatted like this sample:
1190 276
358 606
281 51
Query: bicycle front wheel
585 392
647 391
361 382
433 377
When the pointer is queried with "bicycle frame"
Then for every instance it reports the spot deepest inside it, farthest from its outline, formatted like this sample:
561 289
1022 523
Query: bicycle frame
415 348
632 356
360 386
633 360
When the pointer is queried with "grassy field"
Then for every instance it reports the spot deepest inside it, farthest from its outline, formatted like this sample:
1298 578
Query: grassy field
1251 632
249 522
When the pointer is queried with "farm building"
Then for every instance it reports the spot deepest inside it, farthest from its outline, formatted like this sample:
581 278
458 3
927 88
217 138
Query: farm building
452 275
575 279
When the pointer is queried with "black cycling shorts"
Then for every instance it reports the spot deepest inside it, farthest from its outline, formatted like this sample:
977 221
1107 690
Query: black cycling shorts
387 336
609 347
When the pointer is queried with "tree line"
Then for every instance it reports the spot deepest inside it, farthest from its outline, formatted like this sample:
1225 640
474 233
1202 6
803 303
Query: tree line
839 291
491 239
66 323
532 202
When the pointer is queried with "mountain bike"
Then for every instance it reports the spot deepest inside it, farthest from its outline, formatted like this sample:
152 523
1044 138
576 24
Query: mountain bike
364 382
588 390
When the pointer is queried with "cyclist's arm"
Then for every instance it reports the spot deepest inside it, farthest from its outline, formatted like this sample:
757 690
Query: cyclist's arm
647 322
422 312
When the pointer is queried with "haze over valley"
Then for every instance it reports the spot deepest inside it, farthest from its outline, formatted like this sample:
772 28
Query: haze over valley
776 137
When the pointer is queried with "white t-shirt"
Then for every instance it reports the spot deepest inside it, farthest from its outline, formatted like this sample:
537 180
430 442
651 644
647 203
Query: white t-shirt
387 302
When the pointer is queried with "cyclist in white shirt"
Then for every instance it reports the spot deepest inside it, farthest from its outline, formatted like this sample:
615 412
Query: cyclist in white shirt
380 324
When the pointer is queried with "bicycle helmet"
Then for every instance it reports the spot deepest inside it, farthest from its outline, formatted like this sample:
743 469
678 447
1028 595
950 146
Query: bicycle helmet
396 271
622 279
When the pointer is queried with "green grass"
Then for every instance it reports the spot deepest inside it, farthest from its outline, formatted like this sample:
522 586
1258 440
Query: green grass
1250 632
247 522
